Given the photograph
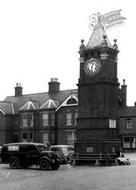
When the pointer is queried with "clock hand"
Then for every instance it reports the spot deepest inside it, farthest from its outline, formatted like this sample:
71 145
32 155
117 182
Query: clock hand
92 65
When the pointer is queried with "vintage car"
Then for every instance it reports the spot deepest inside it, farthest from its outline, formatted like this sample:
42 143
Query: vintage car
24 155
65 152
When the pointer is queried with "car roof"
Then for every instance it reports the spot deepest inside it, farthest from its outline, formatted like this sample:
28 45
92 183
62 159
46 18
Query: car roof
22 143
61 146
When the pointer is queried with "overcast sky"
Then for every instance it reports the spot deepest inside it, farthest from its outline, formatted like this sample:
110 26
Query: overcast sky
39 39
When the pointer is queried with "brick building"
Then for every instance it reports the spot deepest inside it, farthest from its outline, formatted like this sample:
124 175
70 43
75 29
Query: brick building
48 117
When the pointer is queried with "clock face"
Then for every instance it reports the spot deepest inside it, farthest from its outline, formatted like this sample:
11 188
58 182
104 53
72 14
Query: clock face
92 66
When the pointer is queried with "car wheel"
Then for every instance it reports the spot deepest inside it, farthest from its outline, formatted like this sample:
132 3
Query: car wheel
14 163
44 164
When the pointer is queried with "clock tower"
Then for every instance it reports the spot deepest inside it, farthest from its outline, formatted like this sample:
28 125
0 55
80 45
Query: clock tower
98 122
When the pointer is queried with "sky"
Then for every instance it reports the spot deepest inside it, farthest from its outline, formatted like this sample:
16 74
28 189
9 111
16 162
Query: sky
40 39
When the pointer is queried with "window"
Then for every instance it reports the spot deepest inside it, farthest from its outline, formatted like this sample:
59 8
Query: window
24 120
89 149
13 148
31 149
16 122
133 142
75 118
72 101
52 119
42 148
45 138
113 149
30 120
126 142
52 138
27 120
112 123
68 118
24 135
45 119
71 137
128 124
129 142
31 136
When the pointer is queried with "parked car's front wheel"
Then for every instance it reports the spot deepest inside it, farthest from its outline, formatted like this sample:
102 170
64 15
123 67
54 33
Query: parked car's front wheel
14 163
44 164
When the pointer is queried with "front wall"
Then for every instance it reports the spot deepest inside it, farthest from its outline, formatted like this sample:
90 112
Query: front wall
61 123
62 137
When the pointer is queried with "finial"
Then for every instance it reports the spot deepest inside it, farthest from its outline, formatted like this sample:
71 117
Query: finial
104 37
115 40
115 46
104 43
82 44
124 81
82 41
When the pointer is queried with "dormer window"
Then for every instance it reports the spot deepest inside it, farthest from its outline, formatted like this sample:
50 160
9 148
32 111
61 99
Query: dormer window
72 101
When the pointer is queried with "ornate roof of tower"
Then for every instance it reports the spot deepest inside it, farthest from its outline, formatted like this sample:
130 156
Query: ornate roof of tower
98 37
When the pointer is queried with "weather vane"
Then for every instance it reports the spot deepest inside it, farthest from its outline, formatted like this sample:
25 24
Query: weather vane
107 20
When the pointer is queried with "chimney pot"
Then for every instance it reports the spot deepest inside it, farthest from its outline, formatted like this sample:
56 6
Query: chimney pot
18 89
54 86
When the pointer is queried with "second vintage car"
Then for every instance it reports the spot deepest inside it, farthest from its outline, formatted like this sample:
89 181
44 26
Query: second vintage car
65 152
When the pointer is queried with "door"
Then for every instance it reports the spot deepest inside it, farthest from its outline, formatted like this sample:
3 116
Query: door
32 154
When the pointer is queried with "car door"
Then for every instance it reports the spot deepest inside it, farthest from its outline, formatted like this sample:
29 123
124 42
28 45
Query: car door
32 154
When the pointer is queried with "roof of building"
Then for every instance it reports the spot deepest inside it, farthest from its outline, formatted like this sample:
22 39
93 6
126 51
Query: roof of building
6 107
129 111
97 38
42 101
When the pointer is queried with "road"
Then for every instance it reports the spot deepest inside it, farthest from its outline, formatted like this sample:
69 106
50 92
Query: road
69 178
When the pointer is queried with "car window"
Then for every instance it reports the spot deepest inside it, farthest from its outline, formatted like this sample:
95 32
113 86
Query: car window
23 148
31 148
64 150
70 149
41 148
13 148
55 149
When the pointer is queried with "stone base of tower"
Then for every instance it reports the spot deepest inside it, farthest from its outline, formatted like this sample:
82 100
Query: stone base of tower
97 147
97 152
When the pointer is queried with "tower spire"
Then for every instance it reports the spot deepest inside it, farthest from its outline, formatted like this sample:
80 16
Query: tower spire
98 36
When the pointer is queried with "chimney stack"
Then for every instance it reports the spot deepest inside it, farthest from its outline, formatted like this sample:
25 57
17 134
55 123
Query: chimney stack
18 90
124 93
54 86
